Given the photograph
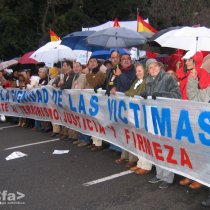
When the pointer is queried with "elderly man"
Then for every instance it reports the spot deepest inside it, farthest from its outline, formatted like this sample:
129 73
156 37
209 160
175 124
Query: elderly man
65 82
160 84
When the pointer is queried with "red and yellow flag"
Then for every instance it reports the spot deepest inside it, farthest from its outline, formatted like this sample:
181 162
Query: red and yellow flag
53 36
116 23
143 26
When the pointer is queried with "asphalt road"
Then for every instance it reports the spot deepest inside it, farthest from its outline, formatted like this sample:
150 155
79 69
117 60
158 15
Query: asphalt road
46 181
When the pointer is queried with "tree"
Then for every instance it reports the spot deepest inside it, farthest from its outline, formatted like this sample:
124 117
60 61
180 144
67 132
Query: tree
25 24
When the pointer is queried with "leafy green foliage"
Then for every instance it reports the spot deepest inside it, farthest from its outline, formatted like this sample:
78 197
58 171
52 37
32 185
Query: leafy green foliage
25 24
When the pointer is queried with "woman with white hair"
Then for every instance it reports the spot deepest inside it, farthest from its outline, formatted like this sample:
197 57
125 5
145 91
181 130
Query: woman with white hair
43 74
159 84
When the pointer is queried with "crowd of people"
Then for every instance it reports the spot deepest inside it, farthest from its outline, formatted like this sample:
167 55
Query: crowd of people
187 80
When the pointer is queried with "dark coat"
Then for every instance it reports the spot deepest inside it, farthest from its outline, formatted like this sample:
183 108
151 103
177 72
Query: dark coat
44 81
68 78
163 84
124 81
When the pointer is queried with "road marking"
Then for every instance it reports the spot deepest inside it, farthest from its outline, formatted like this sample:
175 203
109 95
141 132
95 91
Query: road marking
87 184
11 126
27 145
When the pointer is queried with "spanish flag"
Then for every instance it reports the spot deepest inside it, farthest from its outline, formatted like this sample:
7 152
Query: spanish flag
53 36
143 26
116 23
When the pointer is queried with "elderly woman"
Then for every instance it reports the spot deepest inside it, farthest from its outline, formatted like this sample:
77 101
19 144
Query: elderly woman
43 74
159 84
44 79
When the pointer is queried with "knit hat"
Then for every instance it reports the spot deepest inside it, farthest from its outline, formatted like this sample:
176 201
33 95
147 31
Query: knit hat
150 61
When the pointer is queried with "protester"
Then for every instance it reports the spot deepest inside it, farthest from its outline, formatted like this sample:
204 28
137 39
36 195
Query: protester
3 82
174 75
43 74
195 94
109 84
22 85
137 87
193 66
108 65
13 79
94 79
111 73
64 81
54 75
78 82
126 76
160 84
193 60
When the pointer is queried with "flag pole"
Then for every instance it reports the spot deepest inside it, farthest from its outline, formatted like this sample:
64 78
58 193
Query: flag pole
137 14
137 29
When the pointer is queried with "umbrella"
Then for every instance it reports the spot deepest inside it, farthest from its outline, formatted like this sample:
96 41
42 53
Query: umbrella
105 54
153 46
82 56
186 38
25 59
101 54
116 38
53 52
6 64
76 41
163 31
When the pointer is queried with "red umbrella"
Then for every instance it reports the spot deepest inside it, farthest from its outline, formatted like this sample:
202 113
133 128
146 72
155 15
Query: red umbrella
25 59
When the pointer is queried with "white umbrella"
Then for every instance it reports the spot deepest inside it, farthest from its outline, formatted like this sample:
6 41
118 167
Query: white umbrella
186 38
5 64
82 56
53 52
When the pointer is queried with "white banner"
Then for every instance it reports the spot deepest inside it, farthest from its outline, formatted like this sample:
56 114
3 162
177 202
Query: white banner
173 134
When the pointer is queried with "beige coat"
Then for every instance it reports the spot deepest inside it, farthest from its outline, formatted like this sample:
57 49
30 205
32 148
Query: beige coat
79 83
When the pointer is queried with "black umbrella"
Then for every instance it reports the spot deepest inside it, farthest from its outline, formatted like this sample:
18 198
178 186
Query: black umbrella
153 46
163 31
